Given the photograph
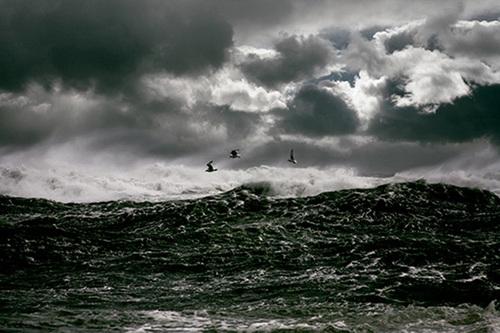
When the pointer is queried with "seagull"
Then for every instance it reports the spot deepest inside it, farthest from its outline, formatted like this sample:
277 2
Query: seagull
210 167
235 153
292 158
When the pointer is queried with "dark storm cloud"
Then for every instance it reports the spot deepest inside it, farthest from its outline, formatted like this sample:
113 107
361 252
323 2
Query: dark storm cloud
383 158
316 112
158 128
20 127
255 12
52 119
106 43
175 138
238 125
467 118
371 158
299 57
399 41
170 133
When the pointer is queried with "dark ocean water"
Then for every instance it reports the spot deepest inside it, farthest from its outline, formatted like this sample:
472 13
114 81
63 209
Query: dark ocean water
408 257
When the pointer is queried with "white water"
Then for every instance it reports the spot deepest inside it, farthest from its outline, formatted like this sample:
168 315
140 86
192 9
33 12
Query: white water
159 181
386 318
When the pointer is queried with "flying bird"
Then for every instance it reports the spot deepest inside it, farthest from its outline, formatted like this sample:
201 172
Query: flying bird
235 153
292 158
210 167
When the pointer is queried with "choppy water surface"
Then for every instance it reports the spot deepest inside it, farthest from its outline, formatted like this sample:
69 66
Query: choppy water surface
406 257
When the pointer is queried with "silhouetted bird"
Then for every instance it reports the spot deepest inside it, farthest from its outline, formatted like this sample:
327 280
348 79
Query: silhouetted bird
210 167
235 153
292 158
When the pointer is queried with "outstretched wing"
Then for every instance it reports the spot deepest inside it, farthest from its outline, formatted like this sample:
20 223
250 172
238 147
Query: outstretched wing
291 154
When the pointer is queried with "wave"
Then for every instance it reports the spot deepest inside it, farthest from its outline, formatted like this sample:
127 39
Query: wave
159 181
409 234
415 255
165 182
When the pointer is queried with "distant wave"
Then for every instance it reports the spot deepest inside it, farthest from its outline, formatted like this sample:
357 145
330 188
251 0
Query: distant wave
163 182
166 182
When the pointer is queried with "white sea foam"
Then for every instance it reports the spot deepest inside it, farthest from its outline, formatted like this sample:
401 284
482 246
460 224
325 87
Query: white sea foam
160 181
198 321
393 319
480 169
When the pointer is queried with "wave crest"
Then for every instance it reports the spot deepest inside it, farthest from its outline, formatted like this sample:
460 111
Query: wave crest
159 181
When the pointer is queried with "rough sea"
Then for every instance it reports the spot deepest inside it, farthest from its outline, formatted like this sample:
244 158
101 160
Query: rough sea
401 257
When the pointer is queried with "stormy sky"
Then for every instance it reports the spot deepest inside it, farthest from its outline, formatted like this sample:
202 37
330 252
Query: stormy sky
381 87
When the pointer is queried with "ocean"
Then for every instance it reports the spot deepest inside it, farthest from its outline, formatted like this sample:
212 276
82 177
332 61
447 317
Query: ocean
398 257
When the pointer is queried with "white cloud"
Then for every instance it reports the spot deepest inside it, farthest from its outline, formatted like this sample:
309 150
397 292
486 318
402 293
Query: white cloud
365 96
186 90
227 86
245 96
408 31
432 77
363 54
241 52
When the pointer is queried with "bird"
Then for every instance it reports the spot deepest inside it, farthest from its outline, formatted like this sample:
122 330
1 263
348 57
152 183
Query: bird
292 158
235 153
210 167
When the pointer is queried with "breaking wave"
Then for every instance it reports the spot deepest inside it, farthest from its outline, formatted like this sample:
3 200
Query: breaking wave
163 182
166 182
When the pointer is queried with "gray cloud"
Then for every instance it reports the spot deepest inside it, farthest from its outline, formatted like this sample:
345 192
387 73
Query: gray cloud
468 118
19 127
475 39
255 13
399 41
439 24
444 32
315 112
180 135
106 44
198 96
339 37
362 54
428 34
299 58
486 16
368 157
261 21
148 128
